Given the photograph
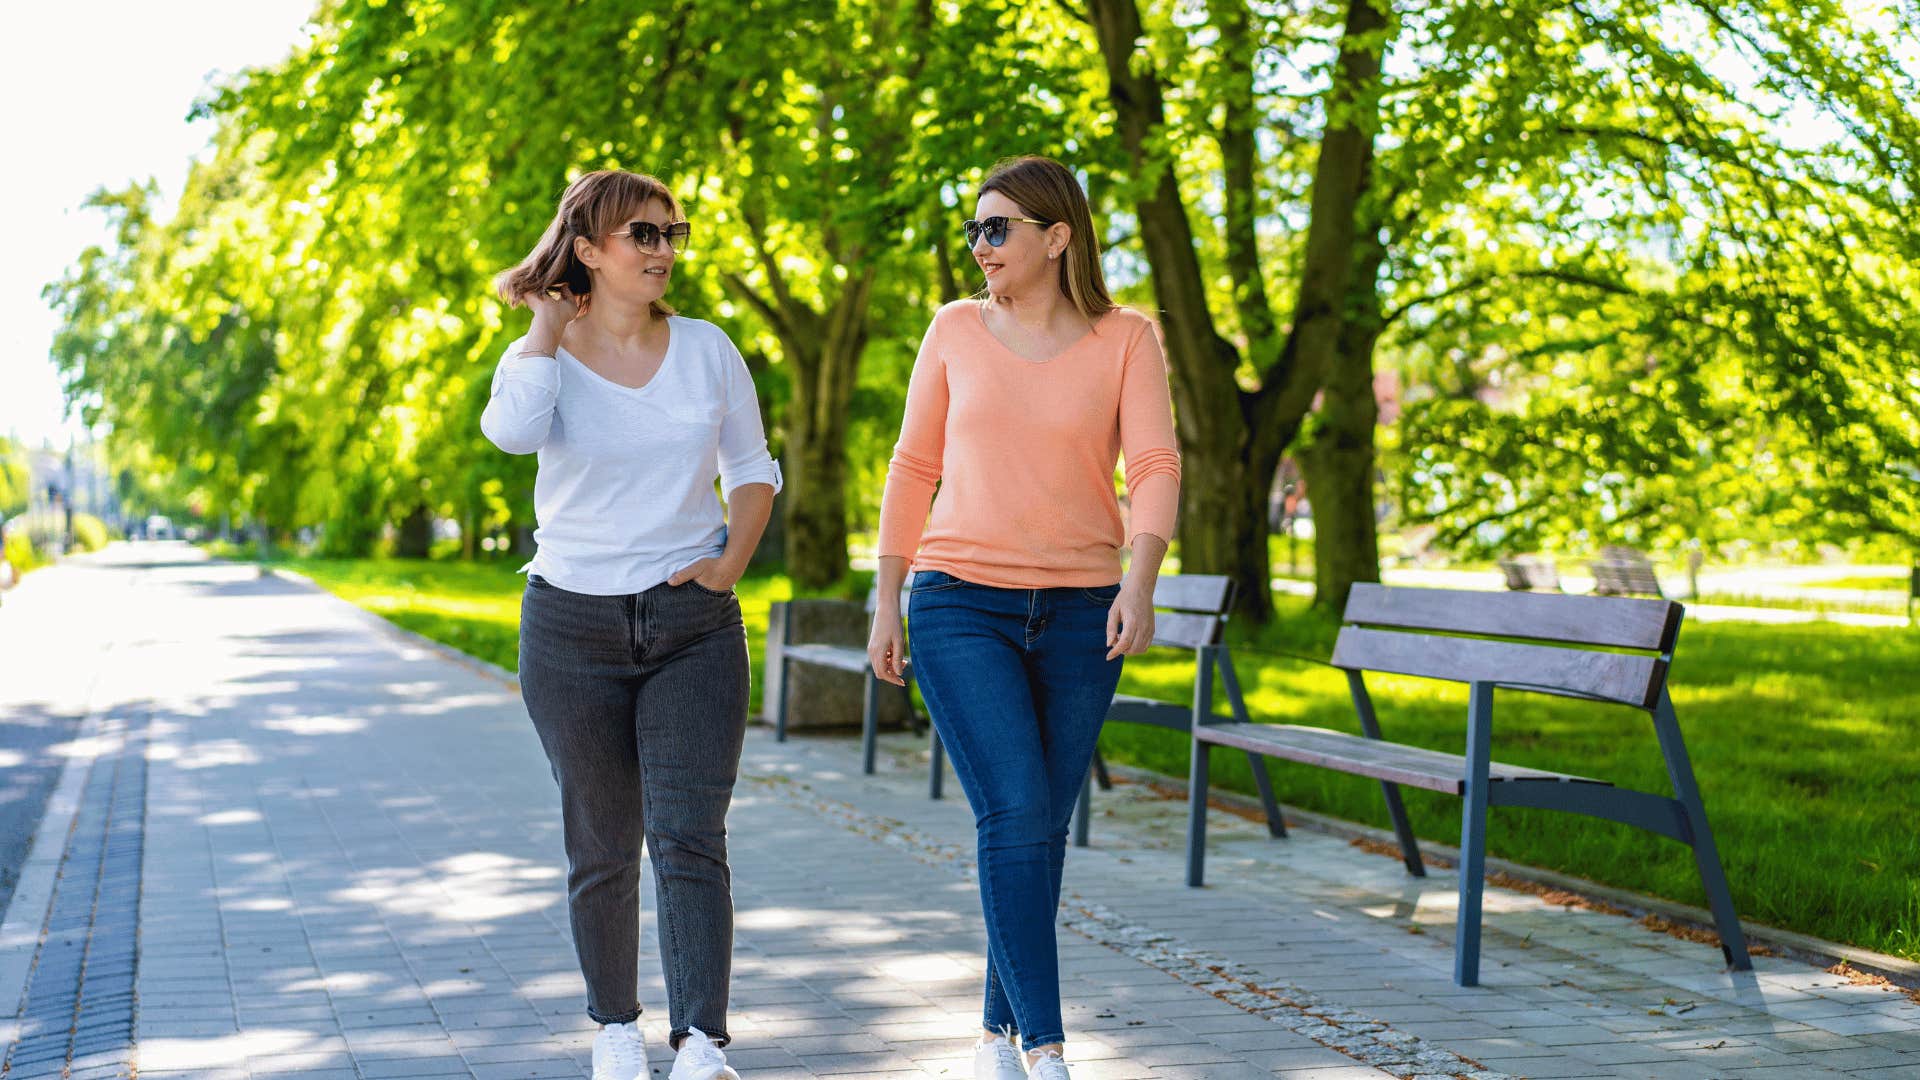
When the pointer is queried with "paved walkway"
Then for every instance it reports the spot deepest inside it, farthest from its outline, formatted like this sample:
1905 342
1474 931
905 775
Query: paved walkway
345 859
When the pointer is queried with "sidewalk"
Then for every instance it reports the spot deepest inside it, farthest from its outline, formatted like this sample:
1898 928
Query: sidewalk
350 867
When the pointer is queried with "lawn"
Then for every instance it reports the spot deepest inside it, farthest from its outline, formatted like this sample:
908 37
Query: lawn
1804 737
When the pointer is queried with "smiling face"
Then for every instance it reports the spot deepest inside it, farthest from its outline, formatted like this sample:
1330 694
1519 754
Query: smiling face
621 268
1021 265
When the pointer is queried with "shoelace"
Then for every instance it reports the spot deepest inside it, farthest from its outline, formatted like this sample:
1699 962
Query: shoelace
1005 1054
626 1046
1050 1067
697 1049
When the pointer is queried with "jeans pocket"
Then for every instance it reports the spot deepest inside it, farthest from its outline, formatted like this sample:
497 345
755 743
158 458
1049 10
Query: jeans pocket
535 581
728 595
1104 595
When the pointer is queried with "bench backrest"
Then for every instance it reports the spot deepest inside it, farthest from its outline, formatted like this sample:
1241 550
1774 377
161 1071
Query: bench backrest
1191 609
1451 634
1524 572
1629 577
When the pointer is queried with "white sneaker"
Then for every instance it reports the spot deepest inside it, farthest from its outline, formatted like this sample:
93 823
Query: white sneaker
619 1052
1050 1067
997 1060
699 1059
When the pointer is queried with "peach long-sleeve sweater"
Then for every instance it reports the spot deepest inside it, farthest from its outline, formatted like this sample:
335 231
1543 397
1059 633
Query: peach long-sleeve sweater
1023 454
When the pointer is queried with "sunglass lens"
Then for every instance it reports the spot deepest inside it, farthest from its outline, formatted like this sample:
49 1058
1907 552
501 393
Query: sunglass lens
678 234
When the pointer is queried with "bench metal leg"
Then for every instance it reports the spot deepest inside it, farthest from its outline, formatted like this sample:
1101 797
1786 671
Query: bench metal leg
1396 811
780 706
1100 772
1276 825
1083 810
1706 856
869 722
937 776
1473 835
1197 771
1403 831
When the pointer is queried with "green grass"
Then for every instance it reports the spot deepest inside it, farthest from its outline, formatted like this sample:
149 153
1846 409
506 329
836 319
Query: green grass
1888 582
1890 604
1804 739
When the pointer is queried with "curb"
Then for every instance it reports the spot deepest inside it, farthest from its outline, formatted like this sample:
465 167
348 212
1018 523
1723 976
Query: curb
27 912
447 652
1791 944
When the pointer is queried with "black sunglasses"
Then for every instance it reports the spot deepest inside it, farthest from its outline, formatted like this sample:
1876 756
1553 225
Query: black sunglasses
646 235
995 228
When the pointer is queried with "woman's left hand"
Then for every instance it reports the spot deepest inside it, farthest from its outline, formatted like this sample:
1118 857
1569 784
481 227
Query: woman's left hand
1129 622
713 574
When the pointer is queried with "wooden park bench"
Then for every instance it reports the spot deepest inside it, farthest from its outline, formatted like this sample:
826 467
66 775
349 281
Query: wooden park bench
1529 573
1190 614
1419 632
1623 571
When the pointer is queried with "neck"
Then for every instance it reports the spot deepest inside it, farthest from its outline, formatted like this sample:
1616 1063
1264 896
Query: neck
1034 307
621 323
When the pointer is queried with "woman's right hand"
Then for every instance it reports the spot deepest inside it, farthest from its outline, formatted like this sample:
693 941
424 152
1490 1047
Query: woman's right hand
887 647
551 314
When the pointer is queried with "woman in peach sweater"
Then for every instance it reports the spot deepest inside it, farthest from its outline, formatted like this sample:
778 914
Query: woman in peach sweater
1022 400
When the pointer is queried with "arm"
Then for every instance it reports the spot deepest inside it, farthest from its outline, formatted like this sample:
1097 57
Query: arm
749 476
519 412
911 478
1151 448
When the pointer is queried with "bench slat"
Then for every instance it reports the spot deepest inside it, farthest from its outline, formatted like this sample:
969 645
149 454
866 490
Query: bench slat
1357 754
1127 709
1626 678
1209 594
1572 620
841 657
1185 630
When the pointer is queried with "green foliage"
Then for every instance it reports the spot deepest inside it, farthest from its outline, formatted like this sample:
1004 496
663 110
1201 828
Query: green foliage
90 533
16 479
1654 276
1643 270
20 551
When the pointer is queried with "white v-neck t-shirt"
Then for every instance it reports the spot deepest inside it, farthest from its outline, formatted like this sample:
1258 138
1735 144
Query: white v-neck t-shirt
625 494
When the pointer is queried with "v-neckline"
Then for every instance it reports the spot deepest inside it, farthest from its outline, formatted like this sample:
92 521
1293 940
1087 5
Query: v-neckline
666 356
1093 331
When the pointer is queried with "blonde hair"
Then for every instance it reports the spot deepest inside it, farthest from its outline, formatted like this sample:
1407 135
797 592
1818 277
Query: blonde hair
593 205
1046 189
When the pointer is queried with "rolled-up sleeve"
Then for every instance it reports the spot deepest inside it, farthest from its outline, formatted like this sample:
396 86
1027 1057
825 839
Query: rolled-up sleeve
743 437
519 412
1147 438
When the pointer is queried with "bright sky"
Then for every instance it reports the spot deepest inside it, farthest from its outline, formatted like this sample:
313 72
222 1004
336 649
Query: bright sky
96 94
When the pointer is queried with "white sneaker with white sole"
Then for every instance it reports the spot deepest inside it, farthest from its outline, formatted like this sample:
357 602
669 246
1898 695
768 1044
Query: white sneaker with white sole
997 1060
619 1052
1050 1067
699 1059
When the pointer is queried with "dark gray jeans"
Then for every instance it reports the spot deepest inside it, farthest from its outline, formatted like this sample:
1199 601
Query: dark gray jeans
641 704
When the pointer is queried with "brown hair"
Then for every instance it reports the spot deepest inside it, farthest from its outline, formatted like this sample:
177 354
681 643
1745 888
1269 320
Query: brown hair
595 204
1045 189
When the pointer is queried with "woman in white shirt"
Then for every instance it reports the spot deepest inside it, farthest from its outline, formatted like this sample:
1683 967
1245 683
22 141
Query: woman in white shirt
633 657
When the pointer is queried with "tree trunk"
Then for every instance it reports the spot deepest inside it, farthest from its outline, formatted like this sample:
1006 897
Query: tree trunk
1338 461
825 353
415 536
1232 439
